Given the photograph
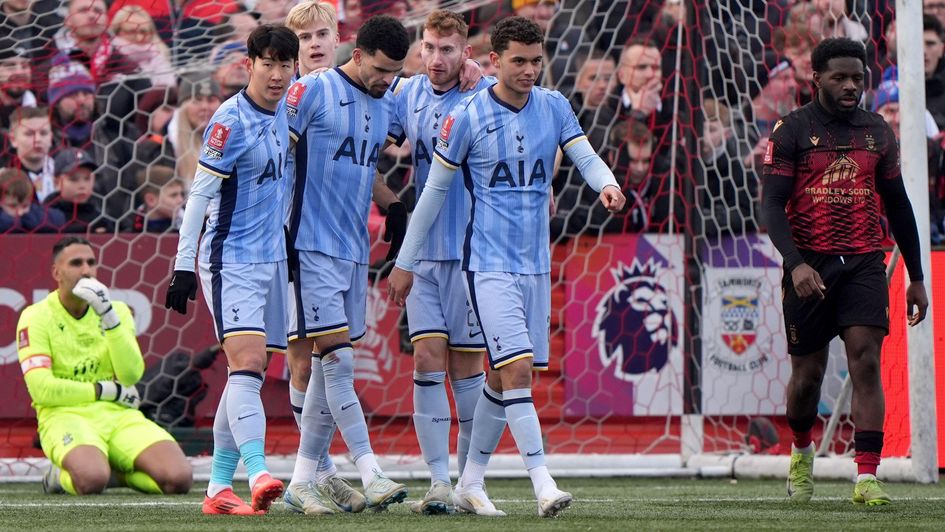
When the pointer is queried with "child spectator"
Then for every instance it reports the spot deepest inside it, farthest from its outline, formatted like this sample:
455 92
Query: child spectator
75 179
162 196
18 212
31 137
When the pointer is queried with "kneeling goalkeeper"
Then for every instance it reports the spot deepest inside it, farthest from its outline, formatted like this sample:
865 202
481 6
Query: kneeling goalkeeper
80 361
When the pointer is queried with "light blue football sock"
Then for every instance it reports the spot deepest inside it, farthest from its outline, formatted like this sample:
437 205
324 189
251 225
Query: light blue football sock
338 367
523 422
466 393
244 409
488 426
318 428
297 402
431 420
226 454
325 430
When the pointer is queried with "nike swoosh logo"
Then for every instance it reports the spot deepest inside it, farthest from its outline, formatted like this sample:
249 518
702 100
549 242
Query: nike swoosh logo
536 453
483 452
345 104
418 109
325 413
475 334
347 406
493 129
239 418
465 420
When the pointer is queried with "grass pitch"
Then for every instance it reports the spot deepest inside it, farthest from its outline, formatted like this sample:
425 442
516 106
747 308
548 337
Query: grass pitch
600 504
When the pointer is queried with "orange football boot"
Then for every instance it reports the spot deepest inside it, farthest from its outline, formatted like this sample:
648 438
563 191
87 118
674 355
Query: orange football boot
265 490
226 503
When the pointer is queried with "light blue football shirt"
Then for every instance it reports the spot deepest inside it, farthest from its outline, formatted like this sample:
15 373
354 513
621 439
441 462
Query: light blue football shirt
339 130
421 111
246 146
507 157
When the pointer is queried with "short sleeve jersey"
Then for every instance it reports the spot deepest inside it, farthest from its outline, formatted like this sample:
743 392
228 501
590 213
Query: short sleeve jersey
507 157
339 130
835 163
422 110
77 347
247 146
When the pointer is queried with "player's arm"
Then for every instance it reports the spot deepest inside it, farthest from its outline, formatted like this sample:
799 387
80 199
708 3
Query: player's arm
183 285
469 75
901 218
395 224
382 195
453 145
902 222
118 330
595 173
424 214
123 349
573 142
301 103
778 179
35 354
223 144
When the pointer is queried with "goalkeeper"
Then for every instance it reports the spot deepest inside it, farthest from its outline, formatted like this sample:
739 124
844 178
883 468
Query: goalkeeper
80 361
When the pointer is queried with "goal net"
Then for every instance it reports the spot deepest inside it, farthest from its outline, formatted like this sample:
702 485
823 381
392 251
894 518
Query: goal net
668 346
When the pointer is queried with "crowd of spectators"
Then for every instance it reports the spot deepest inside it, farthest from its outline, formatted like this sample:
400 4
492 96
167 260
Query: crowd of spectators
103 103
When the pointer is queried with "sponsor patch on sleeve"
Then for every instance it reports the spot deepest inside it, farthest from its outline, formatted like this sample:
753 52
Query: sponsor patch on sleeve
35 362
769 153
23 338
445 130
293 97
217 141
443 143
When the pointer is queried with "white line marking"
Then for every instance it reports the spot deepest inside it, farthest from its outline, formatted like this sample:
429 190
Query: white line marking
577 501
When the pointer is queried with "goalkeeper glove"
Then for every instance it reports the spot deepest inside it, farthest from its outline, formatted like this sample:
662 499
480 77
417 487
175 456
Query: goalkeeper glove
113 391
395 228
183 287
96 295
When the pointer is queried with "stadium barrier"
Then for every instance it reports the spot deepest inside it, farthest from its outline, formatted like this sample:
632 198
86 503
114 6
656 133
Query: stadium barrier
603 415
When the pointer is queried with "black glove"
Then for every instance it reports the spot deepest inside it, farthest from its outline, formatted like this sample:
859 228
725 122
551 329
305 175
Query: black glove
292 256
183 287
395 228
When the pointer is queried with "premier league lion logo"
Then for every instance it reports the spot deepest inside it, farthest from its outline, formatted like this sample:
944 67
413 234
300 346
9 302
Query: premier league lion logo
635 327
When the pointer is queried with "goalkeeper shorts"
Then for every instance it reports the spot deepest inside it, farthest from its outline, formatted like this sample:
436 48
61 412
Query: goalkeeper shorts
120 433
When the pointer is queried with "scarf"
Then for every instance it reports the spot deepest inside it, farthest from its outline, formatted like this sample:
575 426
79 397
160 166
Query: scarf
67 43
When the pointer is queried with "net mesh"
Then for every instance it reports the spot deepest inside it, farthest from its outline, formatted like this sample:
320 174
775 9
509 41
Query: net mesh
669 308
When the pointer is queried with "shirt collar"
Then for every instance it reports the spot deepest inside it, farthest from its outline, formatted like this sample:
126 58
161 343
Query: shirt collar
856 118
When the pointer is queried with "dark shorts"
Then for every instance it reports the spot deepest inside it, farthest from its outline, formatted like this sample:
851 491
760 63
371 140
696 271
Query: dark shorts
857 294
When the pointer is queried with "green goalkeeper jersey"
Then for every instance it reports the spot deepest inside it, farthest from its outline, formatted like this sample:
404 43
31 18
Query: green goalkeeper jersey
63 357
